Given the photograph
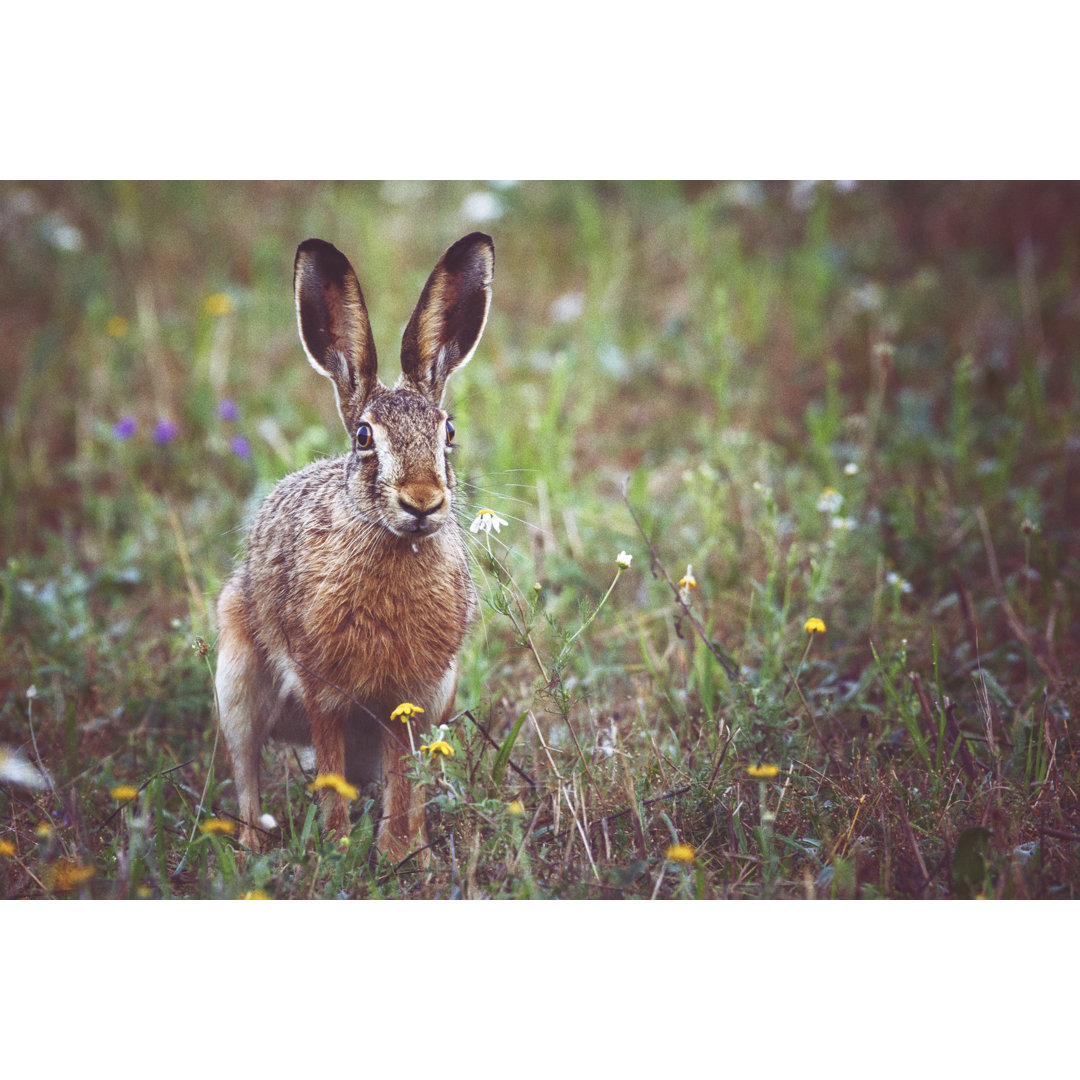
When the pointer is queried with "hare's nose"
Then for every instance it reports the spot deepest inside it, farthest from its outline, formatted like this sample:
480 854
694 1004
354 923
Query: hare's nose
420 505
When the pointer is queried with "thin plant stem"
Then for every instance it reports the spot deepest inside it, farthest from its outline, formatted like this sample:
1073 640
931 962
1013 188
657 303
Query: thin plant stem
694 622
596 611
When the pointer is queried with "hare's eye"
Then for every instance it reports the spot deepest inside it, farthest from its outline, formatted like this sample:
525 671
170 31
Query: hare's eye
365 437
449 432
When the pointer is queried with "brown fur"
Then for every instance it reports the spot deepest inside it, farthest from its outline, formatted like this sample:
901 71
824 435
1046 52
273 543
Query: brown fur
355 594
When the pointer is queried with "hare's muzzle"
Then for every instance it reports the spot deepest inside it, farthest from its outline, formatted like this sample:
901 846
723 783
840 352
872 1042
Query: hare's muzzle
424 509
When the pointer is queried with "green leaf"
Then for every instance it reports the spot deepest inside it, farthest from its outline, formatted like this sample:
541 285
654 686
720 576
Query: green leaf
502 758
969 862
627 875
363 835
309 825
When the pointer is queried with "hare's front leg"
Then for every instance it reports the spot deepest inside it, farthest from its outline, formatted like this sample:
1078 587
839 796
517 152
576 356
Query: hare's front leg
328 737
401 826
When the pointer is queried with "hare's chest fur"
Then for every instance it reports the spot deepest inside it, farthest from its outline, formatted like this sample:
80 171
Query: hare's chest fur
399 629
377 615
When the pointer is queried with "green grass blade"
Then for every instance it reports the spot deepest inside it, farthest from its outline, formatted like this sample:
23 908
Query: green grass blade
502 758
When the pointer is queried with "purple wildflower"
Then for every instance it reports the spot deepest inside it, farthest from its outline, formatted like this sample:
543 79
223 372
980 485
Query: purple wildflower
240 447
165 431
124 428
228 409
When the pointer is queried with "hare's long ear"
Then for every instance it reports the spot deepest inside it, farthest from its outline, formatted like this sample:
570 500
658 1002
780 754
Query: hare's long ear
334 325
449 318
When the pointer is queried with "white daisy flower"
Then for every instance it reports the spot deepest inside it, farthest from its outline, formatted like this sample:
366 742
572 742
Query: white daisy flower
830 502
482 207
487 521
15 769
897 582
686 583
567 308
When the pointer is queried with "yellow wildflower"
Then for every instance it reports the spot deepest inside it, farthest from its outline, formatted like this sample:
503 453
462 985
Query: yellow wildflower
117 327
218 303
440 746
7 848
216 825
683 853
65 876
254 894
762 772
43 830
336 783
517 808
124 792
404 711
814 626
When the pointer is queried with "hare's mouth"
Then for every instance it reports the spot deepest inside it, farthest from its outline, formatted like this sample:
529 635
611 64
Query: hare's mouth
421 528
415 528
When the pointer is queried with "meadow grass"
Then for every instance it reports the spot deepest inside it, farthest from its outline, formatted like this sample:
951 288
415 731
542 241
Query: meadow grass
834 431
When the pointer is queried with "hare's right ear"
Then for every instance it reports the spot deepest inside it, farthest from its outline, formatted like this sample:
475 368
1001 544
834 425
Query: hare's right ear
334 325
449 318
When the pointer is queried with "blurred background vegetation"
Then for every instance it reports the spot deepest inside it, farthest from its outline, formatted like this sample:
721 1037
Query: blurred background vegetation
857 401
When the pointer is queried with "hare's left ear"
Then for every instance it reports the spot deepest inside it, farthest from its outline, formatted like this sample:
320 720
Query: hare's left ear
449 318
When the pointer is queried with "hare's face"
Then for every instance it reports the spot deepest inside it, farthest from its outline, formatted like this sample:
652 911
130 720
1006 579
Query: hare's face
399 470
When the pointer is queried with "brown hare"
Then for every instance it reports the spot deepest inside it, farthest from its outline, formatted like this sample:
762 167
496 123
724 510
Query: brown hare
355 596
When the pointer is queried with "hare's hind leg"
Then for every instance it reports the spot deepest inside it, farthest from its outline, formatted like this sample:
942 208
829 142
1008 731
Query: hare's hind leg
241 684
